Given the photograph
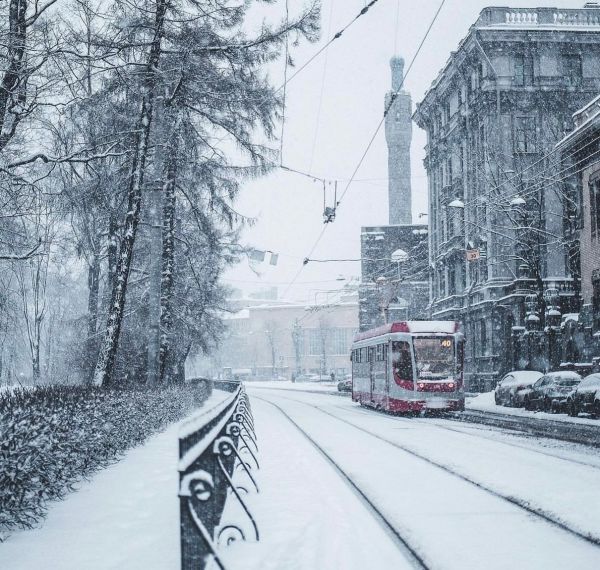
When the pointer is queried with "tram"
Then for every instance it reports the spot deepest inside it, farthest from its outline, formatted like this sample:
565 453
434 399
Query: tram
409 366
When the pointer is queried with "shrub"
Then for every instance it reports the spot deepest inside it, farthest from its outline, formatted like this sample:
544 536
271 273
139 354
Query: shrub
52 437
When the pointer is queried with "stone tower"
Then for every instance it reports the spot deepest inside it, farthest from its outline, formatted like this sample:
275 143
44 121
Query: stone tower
398 133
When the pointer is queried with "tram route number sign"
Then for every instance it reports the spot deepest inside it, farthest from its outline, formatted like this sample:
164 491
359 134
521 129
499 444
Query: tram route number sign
473 254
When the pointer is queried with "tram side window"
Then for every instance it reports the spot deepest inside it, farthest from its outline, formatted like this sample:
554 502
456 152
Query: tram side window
402 360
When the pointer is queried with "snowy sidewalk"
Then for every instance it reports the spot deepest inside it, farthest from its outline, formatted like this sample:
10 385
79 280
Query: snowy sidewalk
126 516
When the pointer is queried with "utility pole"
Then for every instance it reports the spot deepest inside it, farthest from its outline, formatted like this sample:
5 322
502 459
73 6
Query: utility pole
296 332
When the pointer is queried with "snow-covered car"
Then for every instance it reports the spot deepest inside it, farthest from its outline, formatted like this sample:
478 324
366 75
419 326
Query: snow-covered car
507 391
308 378
345 385
551 391
586 397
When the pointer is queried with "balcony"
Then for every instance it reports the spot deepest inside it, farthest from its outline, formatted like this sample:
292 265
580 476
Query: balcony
454 245
539 18
452 303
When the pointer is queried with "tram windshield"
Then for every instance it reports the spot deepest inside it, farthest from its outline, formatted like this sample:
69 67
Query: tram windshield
434 357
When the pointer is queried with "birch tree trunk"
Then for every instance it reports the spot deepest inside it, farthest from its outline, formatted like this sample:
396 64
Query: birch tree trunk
108 350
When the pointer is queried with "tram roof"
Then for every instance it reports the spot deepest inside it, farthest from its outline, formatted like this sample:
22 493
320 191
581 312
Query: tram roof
448 327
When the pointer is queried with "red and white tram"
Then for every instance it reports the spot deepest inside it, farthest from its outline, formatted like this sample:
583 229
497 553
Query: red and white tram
409 366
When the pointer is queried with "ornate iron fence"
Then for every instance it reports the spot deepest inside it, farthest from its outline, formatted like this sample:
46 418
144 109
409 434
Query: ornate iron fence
212 447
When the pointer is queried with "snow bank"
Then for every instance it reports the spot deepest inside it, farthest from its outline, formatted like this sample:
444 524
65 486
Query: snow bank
485 403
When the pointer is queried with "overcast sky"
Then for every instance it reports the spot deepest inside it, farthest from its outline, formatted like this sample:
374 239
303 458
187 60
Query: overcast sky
333 109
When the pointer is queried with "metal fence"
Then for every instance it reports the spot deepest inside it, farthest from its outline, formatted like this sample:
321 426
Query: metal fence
213 446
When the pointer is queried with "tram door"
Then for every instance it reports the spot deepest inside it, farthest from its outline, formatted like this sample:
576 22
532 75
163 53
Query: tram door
372 372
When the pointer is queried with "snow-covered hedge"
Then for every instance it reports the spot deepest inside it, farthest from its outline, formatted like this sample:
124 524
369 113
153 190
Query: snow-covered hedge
52 437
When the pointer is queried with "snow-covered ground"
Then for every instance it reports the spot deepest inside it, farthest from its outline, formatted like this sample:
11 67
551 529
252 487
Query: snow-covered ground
301 386
125 516
485 403
437 510
438 483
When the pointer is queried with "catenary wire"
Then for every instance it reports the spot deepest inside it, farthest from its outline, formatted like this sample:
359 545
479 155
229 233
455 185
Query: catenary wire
370 143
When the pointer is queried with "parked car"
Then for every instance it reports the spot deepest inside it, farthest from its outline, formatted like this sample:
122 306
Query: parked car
586 397
507 391
551 391
308 378
345 385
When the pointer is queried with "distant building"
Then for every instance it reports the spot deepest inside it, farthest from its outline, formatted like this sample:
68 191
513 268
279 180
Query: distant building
394 257
500 239
278 340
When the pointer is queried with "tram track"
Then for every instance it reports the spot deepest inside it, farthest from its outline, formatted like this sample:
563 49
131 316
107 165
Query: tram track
404 546
513 443
520 503
480 426
552 429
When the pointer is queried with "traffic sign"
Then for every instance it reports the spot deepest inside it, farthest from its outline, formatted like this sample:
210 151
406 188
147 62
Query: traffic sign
473 254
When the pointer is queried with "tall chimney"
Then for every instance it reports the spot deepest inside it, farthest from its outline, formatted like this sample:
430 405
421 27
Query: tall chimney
398 134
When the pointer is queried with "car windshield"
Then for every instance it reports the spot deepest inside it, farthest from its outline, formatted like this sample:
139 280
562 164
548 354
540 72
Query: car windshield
565 382
434 357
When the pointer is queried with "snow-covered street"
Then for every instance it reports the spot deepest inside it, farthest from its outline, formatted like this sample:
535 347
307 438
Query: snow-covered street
460 497
344 487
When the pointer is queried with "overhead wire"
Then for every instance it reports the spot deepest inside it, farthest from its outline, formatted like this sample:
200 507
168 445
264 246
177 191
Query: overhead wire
335 37
372 139
320 106
285 80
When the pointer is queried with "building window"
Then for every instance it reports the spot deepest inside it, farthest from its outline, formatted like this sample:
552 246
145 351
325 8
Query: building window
572 69
339 340
451 280
483 345
525 134
315 342
459 95
596 300
523 70
595 206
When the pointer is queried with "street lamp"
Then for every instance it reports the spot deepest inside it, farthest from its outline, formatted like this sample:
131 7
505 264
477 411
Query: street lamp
457 203
517 202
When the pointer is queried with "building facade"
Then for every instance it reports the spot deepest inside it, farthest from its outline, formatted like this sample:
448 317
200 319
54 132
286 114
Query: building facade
500 240
394 283
579 160
280 339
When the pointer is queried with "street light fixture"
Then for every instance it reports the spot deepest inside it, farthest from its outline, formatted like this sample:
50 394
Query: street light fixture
457 203
517 201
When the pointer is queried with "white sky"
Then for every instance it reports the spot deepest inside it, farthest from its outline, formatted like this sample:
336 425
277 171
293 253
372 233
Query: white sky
327 135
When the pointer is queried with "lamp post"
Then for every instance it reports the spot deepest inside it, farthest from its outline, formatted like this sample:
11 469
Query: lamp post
296 336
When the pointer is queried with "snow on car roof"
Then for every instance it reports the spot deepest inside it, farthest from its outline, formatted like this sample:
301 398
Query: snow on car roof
565 374
524 374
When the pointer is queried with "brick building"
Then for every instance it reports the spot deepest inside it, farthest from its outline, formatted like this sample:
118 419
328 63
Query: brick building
493 116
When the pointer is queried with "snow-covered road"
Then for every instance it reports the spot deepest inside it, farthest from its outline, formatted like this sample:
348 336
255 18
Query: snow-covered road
344 488
461 497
